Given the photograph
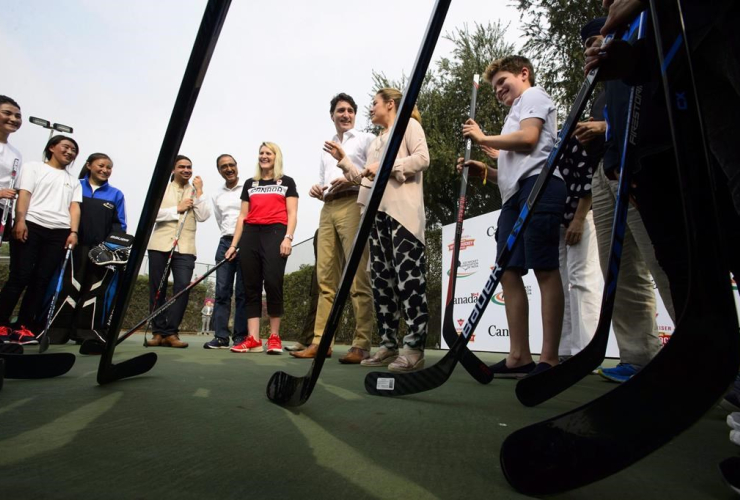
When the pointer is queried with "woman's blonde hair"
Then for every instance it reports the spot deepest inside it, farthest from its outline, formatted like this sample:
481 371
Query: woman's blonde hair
395 95
278 172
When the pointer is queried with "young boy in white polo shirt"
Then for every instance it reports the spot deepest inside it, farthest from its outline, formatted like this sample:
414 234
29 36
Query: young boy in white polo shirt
528 136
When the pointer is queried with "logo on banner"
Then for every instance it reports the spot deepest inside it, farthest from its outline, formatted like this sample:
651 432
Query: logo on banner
459 328
464 243
664 333
495 331
734 284
466 269
498 299
468 299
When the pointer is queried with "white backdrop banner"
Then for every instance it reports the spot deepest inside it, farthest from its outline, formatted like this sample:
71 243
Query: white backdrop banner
477 257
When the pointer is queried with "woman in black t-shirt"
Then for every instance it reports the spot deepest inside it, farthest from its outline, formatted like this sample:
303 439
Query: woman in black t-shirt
265 237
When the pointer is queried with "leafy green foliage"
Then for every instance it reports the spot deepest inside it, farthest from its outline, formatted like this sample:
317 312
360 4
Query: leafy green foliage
444 104
552 29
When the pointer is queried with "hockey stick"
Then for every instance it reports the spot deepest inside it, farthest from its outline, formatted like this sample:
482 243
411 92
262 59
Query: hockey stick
538 388
44 337
205 43
91 346
163 281
663 399
35 366
402 384
477 368
7 202
285 389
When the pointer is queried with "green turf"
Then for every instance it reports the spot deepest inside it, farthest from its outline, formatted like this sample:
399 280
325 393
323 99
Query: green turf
199 426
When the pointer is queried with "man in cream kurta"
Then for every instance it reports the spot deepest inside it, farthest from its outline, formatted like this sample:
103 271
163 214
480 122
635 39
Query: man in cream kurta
183 206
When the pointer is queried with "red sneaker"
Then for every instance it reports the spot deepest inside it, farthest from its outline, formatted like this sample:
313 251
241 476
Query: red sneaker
5 333
249 345
23 336
274 345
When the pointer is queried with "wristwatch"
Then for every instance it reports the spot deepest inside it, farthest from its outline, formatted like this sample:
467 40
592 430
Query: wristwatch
289 236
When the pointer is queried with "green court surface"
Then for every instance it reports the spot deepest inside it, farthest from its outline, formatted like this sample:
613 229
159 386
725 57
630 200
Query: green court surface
199 426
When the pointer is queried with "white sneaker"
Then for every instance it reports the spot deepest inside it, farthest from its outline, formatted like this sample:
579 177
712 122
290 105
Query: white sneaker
733 420
735 437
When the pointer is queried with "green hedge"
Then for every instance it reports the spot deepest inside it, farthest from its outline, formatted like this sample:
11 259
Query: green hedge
296 296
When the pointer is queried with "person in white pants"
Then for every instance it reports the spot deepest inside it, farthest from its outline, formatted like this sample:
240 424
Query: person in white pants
579 254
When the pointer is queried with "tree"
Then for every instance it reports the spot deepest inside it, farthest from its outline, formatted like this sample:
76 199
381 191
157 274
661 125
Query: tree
554 45
444 102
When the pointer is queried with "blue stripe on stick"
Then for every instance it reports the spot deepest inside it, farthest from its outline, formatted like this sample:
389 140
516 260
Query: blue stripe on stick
671 53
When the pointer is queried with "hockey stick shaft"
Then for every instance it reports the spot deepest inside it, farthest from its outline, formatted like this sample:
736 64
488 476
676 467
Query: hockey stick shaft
461 201
8 203
44 337
213 20
285 389
477 369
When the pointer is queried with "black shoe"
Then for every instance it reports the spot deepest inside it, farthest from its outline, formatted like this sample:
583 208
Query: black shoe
541 367
500 370
217 343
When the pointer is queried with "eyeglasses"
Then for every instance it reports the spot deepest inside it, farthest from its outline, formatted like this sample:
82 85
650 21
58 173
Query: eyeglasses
227 165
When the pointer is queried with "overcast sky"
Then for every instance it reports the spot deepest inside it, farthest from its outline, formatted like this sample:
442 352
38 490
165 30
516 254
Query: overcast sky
112 69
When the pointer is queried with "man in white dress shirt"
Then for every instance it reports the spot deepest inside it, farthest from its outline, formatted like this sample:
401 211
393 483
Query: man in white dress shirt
226 205
340 218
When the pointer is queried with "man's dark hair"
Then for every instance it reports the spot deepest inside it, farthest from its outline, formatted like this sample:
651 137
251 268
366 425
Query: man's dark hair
224 156
342 97
7 100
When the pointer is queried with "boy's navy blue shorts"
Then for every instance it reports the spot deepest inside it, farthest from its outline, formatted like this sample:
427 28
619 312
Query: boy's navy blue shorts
538 247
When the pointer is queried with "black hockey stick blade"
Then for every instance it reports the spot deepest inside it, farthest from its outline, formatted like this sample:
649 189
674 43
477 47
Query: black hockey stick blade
34 366
477 368
638 417
429 378
129 368
285 389
94 346
536 389
403 384
664 398
195 72
44 337
11 349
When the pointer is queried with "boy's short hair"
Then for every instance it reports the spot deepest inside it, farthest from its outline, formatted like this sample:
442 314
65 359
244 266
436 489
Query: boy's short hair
512 64
7 100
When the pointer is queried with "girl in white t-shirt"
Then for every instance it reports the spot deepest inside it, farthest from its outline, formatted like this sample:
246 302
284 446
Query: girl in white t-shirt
47 217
